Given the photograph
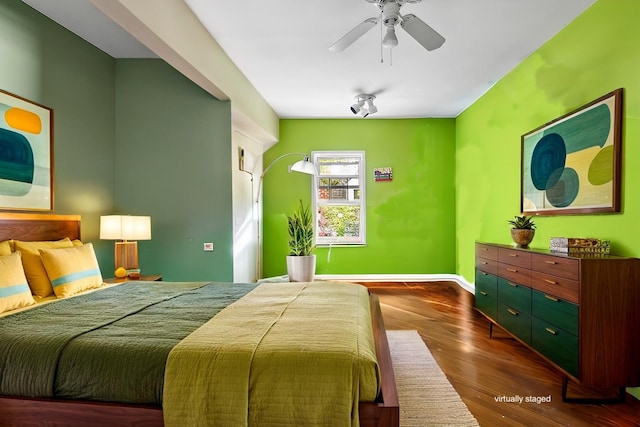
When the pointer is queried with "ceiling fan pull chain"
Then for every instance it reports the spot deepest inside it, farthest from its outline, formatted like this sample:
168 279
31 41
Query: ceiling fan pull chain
381 47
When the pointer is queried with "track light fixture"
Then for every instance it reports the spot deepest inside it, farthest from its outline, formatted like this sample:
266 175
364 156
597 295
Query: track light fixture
359 106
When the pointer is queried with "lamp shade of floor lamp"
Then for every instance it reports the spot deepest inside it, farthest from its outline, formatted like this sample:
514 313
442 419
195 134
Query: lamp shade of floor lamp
127 230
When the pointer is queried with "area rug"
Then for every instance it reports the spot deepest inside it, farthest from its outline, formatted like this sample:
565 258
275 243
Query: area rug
426 396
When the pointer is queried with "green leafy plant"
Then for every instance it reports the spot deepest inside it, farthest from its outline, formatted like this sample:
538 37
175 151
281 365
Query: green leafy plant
300 227
522 222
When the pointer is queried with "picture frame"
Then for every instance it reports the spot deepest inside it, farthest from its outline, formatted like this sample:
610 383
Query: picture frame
572 165
26 154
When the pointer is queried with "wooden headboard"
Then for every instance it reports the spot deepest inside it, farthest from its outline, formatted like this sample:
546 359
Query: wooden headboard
38 227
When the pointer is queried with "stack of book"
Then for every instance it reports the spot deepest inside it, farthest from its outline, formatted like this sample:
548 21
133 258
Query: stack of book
578 245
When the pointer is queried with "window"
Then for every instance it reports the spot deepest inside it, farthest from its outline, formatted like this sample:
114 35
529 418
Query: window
339 197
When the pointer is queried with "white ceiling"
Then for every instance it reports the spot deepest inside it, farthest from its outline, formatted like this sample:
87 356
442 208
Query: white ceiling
282 48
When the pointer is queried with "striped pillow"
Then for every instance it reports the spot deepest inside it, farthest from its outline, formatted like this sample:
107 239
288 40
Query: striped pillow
72 270
14 290
32 263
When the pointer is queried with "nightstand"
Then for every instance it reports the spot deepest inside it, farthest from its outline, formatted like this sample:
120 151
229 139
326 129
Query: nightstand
143 278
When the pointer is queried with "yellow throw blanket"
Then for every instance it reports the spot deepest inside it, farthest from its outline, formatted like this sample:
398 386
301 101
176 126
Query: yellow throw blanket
286 354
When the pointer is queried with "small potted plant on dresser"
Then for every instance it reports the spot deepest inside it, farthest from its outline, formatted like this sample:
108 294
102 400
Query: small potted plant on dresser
522 230
301 262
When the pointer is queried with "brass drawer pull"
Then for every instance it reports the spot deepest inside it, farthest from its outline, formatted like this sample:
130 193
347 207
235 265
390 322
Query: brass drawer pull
553 282
483 293
512 311
551 298
513 270
551 262
484 262
515 285
551 331
483 273
514 255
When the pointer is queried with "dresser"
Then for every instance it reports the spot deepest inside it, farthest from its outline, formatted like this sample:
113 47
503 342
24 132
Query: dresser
580 313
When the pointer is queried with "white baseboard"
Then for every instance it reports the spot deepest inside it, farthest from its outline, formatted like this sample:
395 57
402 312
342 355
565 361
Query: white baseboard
469 287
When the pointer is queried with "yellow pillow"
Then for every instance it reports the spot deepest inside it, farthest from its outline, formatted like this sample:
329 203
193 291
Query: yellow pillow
32 263
5 248
14 290
72 270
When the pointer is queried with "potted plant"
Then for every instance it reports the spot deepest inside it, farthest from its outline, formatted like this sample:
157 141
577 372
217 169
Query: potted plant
522 230
301 262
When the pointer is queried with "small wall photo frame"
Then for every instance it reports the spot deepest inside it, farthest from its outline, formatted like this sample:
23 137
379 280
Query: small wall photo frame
382 174
572 164
26 147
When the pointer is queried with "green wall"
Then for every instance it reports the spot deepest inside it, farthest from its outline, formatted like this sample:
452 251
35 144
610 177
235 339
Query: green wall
49 65
595 54
410 220
130 136
173 162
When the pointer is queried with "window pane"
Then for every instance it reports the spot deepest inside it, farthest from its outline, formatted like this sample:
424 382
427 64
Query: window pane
338 189
349 166
339 221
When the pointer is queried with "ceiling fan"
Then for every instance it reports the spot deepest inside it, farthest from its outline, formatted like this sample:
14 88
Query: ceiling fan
390 16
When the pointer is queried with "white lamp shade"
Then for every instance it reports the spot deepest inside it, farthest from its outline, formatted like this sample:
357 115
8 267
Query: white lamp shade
125 227
304 166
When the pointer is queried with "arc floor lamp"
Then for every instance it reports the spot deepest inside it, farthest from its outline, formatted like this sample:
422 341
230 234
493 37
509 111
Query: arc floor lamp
303 166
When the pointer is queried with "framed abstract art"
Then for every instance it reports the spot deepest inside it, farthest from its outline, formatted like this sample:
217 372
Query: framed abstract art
572 164
26 146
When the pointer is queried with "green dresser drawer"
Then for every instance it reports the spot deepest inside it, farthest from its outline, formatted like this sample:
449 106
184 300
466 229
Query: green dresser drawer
519 324
514 295
486 293
560 313
558 345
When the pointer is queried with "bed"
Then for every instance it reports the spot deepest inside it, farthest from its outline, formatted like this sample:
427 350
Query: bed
382 410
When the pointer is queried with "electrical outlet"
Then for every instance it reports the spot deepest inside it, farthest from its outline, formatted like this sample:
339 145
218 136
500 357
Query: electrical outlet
208 247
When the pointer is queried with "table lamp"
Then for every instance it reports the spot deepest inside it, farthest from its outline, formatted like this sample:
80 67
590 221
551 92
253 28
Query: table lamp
128 229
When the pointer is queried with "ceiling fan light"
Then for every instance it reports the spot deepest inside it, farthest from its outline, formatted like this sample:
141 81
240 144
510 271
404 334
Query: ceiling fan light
390 40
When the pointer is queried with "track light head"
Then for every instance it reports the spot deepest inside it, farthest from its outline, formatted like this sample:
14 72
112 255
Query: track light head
370 107
355 108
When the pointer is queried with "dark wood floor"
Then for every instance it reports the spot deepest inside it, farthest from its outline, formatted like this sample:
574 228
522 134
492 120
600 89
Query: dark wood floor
485 370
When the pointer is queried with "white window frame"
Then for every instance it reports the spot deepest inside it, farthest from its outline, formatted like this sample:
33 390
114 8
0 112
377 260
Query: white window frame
339 241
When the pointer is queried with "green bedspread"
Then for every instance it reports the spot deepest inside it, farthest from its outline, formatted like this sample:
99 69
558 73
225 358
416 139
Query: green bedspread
297 354
109 345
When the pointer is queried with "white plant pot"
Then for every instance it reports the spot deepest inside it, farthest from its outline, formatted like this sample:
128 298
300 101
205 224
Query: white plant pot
301 268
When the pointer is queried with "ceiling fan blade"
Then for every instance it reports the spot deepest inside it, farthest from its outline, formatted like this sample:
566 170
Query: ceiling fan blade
353 35
429 38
